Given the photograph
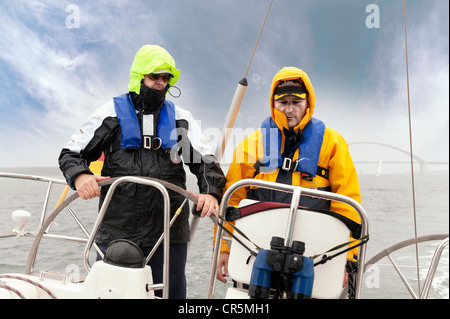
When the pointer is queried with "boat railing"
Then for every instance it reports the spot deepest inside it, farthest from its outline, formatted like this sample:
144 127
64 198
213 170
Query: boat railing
51 182
46 221
297 192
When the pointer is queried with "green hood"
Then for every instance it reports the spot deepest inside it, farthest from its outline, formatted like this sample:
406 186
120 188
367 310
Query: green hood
148 59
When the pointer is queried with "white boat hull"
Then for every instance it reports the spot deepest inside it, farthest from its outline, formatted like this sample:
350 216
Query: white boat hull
104 281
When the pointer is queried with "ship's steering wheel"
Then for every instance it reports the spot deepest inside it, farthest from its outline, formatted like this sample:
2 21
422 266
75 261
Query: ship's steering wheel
33 251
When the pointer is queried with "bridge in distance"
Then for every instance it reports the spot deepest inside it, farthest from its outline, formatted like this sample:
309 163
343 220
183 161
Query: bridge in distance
417 160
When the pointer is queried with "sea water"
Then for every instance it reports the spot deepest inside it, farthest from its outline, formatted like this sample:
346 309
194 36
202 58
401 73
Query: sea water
387 200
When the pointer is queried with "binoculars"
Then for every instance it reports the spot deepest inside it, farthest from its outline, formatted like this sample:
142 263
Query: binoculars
288 263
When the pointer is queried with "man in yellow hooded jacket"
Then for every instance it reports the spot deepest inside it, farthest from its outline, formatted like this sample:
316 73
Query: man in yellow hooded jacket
294 148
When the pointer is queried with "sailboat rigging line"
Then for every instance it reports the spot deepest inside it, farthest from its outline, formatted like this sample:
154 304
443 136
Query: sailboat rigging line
230 119
257 41
410 145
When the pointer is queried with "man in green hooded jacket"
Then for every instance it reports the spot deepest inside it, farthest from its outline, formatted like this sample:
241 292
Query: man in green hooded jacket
141 133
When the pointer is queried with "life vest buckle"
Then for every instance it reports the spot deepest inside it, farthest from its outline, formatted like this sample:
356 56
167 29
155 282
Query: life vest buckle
152 143
287 164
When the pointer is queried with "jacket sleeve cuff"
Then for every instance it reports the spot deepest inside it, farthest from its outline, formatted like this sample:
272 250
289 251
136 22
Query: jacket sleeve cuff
72 174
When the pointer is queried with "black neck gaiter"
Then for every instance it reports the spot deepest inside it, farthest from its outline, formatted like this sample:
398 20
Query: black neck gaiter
152 99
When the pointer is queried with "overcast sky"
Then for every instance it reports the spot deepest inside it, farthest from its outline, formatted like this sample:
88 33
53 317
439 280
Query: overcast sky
60 60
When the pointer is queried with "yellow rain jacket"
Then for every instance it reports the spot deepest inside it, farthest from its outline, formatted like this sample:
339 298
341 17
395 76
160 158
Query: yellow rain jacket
334 156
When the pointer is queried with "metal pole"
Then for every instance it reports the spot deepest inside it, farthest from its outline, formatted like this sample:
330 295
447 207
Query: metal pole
220 148
292 215
231 117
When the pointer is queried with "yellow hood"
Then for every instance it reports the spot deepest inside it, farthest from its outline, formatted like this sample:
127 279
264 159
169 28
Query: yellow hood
292 73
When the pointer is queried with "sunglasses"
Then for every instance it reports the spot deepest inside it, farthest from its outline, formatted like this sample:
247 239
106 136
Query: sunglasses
154 77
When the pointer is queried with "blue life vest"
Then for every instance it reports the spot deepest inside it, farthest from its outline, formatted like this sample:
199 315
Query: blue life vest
129 123
309 149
